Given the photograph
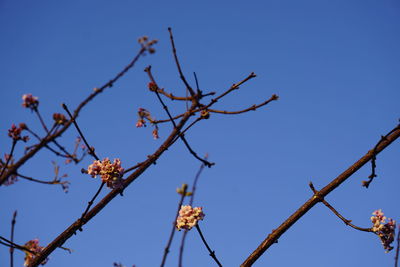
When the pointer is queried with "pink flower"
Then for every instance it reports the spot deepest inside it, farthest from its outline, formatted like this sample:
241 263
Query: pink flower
188 217
110 173
155 133
59 118
385 231
140 123
30 101
15 132
33 245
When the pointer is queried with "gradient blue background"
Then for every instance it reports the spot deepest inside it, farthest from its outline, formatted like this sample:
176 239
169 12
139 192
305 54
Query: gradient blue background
334 64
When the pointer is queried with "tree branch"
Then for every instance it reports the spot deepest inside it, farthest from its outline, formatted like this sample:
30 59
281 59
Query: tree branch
274 236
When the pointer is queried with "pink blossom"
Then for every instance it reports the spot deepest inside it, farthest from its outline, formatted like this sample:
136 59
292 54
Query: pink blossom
59 118
15 132
140 123
30 101
110 173
385 231
155 133
188 217
33 245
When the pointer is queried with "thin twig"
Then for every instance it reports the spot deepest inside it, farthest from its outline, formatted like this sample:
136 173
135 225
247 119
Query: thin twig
235 86
41 119
9 157
208 164
47 146
346 221
253 107
188 87
13 221
171 236
373 160
191 199
8 243
133 167
309 204
52 182
212 252
91 150
90 203
215 100
187 128
171 96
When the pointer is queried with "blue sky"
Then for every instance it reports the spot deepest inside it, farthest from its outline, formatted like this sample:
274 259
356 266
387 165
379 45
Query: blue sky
334 64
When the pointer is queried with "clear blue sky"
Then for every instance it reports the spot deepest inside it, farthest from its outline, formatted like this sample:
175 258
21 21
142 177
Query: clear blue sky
334 64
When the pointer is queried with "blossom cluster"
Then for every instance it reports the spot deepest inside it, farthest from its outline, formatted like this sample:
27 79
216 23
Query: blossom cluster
385 230
30 101
59 118
143 114
188 217
110 173
15 132
33 245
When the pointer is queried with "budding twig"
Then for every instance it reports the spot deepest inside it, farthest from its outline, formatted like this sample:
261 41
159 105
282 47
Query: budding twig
55 181
208 164
373 159
212 252
191 199
91 150
8 159
13 221
171 236
188 87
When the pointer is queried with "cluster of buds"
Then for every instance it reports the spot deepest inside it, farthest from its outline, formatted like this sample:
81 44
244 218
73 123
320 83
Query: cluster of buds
15 132
33 245
385 230
59 118
147 44
188 217
110 173
152 86
30 101
12 178
143 114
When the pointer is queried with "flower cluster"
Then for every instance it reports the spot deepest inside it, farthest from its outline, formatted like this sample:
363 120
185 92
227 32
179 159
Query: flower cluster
15 132
188 217
59 118
33 245
143 114
385 231
30 101
110 173
13 177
